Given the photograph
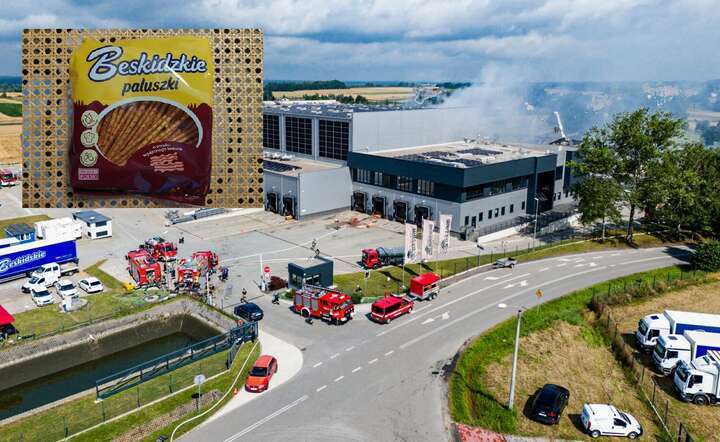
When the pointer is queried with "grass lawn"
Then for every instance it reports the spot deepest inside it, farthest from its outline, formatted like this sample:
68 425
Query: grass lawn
11 109
108 281
391 278
29 220
703 422
84 412
470 399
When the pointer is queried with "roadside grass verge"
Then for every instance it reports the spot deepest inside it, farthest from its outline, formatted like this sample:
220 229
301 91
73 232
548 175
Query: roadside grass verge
472 403
29 220
108 281
84 412
391 278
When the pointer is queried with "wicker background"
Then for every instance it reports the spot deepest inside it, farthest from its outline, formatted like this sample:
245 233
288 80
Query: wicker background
237 117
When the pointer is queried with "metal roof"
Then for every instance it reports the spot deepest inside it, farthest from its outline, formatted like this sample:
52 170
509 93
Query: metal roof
90 216
18 229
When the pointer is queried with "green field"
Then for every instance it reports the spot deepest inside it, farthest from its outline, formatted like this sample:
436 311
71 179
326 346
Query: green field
11 109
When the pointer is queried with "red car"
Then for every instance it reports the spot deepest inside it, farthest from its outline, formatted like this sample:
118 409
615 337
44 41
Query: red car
263 370
390 307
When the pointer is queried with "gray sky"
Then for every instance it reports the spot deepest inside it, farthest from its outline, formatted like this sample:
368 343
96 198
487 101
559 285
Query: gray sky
415 40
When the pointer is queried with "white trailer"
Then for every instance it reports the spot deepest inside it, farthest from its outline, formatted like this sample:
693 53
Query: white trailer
672 322
60 228
699 381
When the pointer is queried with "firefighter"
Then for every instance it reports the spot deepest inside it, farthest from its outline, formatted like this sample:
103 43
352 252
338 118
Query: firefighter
181 240
224 271
243 298
276 298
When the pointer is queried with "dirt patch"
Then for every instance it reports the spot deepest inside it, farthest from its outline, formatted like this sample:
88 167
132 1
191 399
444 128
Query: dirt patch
575 358
702 421
10 129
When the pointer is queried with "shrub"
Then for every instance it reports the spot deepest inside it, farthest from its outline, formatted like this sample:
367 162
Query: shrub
707 256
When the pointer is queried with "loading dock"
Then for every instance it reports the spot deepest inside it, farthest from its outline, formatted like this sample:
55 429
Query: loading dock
400 211
359 201
271 202
288 206
421 212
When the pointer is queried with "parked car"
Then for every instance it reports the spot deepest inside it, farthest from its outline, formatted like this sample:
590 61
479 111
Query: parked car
549 403
41 297
91 285
506 262
249 311
66 289
606 420
263 370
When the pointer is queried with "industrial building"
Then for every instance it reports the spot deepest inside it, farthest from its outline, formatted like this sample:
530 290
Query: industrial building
404 164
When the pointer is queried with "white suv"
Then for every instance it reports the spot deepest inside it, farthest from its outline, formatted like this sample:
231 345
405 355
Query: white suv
606 420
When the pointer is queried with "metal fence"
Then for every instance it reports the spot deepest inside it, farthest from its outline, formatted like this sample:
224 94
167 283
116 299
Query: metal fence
650 384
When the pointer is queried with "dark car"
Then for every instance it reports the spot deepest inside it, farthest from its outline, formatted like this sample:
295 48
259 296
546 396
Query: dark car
249 311
549 403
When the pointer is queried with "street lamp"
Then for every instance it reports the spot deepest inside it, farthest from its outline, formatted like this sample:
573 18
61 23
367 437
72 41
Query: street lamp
537 203
511 399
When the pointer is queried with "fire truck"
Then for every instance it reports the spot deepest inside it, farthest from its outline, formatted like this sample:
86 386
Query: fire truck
382 256
206 261
160 249
330 305
7 178
143 268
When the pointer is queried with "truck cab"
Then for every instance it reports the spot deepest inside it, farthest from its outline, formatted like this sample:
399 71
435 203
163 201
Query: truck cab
650 328
699 381
7 178
672 349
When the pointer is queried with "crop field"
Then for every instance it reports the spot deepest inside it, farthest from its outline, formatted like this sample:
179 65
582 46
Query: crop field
10 129
371 93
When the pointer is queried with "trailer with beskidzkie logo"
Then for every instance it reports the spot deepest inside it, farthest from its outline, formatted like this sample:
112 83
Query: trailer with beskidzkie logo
21 260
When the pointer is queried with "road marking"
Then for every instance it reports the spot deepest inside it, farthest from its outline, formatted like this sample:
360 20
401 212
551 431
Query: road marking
372 361
339 379
356 369
495 278
416 317
616 254
266 418
350 348
579 265
592 264
335 356
646 259
390 352
321 389
493 305
544 269
561 265
317 365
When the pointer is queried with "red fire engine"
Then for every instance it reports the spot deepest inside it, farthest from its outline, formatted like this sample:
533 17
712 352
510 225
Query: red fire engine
143 268
425 286
160 249
206 261
7 178
187 273
324 303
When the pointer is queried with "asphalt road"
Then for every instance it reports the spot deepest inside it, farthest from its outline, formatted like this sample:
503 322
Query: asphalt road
364 381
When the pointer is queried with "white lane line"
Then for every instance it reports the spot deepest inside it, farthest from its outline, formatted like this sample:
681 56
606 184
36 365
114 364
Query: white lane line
372 361
544 269
356 369
335 356
339 379
317 365
321 389
616 254
493 305
416 316
390 352
644 260
266 418
561 265
350 348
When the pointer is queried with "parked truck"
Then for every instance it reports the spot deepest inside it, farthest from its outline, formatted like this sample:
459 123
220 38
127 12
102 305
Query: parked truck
7 178
23 259
59 228
143 268
327 304
382 256
672 322
699 381
160 249
692 344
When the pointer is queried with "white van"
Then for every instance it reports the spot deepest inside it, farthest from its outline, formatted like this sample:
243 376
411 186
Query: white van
605 420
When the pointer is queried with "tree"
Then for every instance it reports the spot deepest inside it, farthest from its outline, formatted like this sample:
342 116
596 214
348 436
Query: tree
707 256
624 153
598 198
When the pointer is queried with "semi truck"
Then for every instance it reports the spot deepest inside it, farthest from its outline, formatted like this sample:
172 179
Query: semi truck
23 259
58 228
382 256
699 381
672 322
692 344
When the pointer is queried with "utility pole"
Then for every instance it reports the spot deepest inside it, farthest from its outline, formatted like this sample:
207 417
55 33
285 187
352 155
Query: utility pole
514 364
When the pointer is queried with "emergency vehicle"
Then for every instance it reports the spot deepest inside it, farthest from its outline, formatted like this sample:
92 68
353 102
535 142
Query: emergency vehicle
382 256
160 249
425 286
187 273
206 261
143 268
7 178
390 307
324 303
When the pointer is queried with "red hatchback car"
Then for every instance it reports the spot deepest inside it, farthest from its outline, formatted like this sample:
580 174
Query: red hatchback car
263 370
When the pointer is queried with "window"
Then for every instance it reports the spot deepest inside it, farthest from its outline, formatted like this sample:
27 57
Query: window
334 139
467 220
672 354
559 172
425 187
404 183
497 212
480 216
271 131
101 223
362 176
496 187
502 211
378 178
619 423
489 214
298 135
522 206
474 221
512 208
